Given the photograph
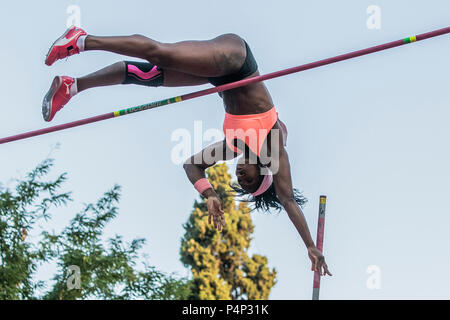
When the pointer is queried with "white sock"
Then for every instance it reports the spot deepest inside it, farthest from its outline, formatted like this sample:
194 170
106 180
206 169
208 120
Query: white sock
74 88
80 43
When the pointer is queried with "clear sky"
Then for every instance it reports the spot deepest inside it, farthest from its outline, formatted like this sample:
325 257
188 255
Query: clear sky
371 133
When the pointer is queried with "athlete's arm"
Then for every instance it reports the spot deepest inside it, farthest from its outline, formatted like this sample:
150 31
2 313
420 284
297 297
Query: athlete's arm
195 168
283 188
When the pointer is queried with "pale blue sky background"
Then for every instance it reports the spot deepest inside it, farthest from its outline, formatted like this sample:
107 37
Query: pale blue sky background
371 133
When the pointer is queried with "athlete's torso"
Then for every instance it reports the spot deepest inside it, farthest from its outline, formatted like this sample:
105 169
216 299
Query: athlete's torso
251 99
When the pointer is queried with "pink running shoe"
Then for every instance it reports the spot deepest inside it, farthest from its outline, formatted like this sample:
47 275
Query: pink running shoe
65 46
57 97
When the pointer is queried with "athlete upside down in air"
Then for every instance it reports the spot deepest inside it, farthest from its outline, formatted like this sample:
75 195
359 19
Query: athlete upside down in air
251 125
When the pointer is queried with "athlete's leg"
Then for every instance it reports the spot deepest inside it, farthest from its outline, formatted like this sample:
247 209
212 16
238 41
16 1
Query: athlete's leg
124 72
213 58
174 78
117 74
108 76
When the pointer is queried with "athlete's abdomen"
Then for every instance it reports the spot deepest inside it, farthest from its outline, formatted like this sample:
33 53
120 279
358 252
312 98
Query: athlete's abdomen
251 99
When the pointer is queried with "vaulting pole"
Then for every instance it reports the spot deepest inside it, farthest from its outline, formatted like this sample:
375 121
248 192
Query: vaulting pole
229 86
319 243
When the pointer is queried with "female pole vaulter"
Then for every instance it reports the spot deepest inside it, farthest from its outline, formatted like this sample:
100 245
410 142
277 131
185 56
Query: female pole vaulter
251 124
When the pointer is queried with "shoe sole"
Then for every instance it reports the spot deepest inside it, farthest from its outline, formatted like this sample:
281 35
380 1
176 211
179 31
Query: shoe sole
53 44
47 103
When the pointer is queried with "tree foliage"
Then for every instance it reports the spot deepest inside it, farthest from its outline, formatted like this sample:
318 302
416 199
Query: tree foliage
219 261
108 269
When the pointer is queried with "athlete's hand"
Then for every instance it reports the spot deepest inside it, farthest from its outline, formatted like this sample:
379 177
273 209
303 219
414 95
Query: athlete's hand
215 211
318 261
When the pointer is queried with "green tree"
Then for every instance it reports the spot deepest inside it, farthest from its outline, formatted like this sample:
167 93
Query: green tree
220 265
107 271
